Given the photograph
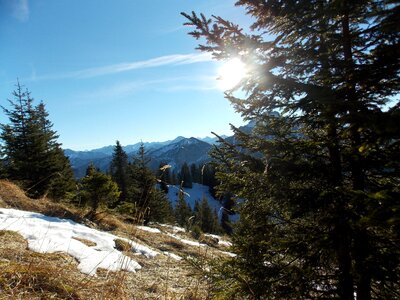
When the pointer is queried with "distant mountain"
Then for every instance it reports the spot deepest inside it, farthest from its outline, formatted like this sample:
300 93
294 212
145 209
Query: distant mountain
173 152
211 140
189 150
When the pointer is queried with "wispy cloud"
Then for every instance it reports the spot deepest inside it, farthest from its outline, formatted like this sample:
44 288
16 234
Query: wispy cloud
170 84
20 10
174 59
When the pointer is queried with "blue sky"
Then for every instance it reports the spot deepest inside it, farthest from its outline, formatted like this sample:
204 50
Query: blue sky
115 70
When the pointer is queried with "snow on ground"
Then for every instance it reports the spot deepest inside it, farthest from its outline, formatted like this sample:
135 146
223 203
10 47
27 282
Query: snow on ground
149 229
188 242
220 241
197 192
50 234
175 229
172 255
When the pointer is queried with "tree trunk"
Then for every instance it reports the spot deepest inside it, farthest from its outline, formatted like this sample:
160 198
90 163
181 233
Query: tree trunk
363 277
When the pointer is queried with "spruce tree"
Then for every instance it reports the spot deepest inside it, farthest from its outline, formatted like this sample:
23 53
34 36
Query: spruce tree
31 154
319 181
164 176
183 212
205 217
141 179
118 170
98 190
195 173
185 177
150 203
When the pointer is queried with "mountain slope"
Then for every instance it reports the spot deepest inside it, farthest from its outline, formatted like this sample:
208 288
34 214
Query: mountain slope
25 274
174 152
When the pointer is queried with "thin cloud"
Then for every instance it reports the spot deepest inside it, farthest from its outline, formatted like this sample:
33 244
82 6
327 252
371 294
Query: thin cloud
174 59
170 84
20 10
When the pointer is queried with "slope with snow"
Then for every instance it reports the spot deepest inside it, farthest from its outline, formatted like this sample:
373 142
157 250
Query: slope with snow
49 234
196 193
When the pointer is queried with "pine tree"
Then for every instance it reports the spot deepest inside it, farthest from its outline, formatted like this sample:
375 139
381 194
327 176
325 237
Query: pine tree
98 189
195 173
31 153
159 208
118 170
197 213
208 178
227 210
164 176
183 212
185 176
141 179
150 203
205 217
320 180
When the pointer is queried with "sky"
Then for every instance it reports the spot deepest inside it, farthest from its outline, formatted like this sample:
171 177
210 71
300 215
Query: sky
115 70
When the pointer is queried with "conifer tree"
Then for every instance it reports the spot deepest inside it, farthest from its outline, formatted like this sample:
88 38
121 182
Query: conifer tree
185 177
142 191
141 179
226 211
98 189
208 177
197 213
164 176
205 217
195 173
31 153
320 180
159 208
183 212
118 170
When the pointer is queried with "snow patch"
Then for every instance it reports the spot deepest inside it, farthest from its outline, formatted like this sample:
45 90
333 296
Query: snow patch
149 229
172 255
50 234
188 242
220 241
175 229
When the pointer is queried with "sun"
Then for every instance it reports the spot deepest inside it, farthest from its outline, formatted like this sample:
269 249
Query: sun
231 73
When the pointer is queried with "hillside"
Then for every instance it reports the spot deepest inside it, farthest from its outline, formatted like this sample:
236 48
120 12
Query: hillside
51 251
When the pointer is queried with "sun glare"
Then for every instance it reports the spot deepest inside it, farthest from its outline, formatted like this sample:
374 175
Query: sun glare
231 73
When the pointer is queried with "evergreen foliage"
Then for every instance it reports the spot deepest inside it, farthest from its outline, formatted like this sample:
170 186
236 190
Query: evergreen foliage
205 217
195 173
185 177
164 176
320 180
118 170
148 201
30 151
159 208
207 173
98 190
228 205
183 212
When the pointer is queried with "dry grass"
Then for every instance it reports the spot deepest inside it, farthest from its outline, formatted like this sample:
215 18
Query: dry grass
28 275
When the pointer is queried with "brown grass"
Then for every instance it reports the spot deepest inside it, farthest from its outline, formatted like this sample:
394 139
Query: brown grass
28 275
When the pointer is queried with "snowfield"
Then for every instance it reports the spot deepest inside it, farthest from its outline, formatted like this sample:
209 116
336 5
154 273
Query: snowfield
196 193
49 234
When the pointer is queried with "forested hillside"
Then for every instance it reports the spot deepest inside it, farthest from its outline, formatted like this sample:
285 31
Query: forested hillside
303 202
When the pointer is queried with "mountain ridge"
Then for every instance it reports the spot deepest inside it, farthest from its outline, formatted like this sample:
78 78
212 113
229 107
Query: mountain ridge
173 152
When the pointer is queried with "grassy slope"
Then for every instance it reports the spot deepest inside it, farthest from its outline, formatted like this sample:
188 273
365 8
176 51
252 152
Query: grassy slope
28 275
